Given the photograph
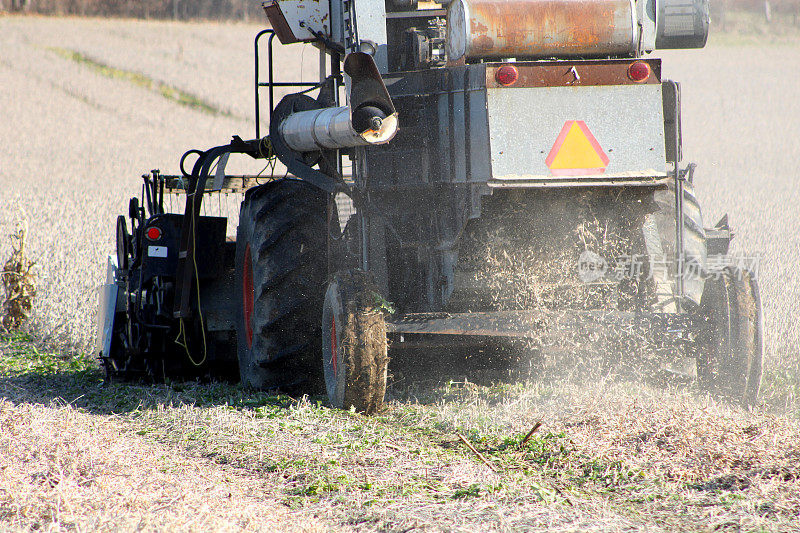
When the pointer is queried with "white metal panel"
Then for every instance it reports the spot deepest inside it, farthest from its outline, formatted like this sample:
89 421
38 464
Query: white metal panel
627 121
646 10
370 24
107 308
305 15
161 252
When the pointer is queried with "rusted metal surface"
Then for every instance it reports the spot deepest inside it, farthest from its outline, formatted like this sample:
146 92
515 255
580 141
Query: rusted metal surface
538 324
485 29
279 23
575 73
298 20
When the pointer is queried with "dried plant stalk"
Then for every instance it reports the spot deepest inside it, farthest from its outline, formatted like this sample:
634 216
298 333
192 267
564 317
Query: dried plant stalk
19 282
524 252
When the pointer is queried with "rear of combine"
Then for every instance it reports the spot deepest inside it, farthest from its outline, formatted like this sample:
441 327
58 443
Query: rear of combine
515 175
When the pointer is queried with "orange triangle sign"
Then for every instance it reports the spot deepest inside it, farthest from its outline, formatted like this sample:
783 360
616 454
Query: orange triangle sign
576 152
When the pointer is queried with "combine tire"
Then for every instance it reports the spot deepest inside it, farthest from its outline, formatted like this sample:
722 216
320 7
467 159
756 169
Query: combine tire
729 361
280 278
354 354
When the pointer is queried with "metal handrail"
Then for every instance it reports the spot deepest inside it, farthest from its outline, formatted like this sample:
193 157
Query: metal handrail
271 83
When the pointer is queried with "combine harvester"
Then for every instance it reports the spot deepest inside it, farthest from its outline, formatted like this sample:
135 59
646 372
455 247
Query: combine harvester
498 170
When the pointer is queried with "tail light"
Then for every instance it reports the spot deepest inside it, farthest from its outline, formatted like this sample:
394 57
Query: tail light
153 233
639 71
507 75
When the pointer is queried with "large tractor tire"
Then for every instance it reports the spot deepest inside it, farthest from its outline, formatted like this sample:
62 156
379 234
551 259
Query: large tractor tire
731 347
354 350
280 278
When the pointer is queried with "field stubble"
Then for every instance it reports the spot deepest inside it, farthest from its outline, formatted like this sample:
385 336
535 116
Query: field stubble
610 456
606 456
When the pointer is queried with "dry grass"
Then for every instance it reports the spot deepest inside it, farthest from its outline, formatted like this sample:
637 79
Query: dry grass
611 455
19 282
736 27
65 470
523 273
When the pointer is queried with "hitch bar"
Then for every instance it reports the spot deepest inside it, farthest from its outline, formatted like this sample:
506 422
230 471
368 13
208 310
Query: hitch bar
546 325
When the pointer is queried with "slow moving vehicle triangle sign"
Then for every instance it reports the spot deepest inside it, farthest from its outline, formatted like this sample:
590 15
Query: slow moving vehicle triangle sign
576 152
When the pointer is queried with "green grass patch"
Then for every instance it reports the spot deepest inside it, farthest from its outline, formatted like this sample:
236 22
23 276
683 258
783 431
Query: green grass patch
20 356
167 91
355 467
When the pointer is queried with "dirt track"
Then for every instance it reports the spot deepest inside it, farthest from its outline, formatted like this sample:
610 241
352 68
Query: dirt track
74 143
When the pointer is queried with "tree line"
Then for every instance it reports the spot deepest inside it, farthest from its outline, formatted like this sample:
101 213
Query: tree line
246 9
788 9
146 9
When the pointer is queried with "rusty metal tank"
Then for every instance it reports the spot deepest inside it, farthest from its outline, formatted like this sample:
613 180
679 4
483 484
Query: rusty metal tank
495 29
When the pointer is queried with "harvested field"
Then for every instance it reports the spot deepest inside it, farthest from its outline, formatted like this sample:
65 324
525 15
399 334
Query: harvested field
89 105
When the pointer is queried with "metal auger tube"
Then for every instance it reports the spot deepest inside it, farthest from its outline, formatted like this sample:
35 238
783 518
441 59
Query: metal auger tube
333 128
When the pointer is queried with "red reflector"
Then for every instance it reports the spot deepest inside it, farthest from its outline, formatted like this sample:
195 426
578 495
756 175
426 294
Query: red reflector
639 71
153 233
507 75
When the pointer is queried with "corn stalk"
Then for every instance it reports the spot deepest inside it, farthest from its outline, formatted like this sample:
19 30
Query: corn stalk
19 282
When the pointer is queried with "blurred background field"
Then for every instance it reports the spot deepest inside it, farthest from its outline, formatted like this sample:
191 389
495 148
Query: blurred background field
146 9
245 9
80 126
